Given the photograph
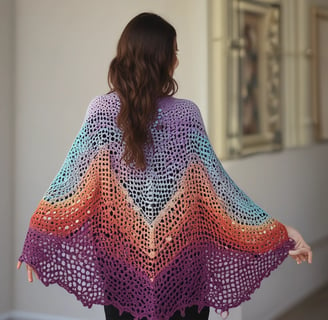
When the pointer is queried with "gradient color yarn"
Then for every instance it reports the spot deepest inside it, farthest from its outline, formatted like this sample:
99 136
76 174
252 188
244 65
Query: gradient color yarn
151 242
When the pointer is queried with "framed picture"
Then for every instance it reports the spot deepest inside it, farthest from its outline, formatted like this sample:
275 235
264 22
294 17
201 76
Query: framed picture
254 119
320 72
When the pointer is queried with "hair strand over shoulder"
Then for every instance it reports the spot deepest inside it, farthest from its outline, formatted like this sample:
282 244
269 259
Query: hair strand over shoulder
141 73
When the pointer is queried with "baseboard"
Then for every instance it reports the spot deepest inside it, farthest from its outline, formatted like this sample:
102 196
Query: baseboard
20 315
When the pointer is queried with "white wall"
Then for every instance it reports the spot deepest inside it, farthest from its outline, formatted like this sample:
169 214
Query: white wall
6 155
63 51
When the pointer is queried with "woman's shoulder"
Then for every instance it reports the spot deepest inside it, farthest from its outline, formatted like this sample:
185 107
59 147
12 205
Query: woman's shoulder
105 103
108 98
181 104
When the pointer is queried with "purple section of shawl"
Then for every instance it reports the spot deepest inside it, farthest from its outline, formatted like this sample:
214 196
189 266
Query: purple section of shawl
200 274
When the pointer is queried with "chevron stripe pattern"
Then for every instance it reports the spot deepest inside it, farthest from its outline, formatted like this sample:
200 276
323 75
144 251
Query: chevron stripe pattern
156 241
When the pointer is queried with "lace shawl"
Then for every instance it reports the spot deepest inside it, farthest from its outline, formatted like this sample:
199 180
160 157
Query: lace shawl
156 241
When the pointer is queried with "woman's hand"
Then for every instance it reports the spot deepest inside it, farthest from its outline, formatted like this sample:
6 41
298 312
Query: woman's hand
302 251
30 271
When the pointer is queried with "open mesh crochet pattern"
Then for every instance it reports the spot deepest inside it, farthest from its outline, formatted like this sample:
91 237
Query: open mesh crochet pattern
151 242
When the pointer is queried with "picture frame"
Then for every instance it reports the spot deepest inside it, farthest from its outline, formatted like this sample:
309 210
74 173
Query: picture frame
319 19
254 72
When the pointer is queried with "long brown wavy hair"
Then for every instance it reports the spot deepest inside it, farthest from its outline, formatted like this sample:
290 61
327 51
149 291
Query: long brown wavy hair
141 73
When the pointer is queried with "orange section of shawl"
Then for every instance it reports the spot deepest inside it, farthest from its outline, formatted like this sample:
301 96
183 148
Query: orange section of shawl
66 216
190 214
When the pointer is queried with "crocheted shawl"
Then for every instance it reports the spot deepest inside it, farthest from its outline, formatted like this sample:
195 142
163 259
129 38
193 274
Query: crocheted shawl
156 241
